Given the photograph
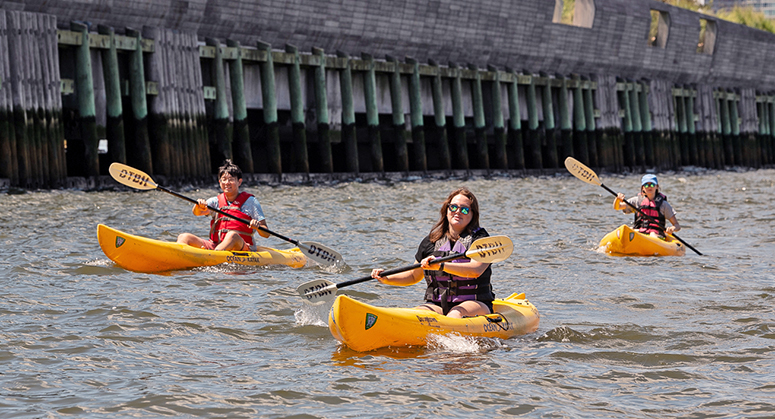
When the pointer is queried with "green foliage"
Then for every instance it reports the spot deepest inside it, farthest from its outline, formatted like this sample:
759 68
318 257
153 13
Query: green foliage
749 17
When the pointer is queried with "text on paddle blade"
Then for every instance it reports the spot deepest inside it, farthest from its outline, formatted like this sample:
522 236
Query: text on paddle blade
140 179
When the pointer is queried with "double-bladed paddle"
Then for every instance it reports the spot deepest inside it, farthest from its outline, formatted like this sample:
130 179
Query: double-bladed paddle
576 168
485 250
137 179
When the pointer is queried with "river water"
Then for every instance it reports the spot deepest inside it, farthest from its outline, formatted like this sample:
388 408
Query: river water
689 336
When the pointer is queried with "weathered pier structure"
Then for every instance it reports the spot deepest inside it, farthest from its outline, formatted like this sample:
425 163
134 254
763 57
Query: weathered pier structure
362 88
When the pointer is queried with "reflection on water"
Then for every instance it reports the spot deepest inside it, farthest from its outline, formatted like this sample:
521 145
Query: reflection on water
619 336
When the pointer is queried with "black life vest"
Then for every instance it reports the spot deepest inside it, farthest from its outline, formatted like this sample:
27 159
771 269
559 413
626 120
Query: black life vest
446 289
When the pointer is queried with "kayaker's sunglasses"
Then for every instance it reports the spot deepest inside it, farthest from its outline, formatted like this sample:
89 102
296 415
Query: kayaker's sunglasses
463 210
650 184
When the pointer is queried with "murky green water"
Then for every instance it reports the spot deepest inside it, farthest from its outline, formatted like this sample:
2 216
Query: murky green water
619 337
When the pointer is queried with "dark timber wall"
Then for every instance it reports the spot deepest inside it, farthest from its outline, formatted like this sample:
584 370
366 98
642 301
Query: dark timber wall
373 86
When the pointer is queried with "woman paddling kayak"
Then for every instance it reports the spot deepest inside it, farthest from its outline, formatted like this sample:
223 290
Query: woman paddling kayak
459 288
654 204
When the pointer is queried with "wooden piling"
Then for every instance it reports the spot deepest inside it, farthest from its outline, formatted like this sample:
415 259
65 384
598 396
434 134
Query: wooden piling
420 161
459 139
243 155
637 128
580 141
566 126
269 98
16 55
589 120
682 134
440 120
515 124
140 155
321 106
114 124
646 124
39 153
8 163
533 154
550 159
349 133
401 159
480 129
628 147
84 87
500 139
157 121
300 156
220 141
372 114
197 103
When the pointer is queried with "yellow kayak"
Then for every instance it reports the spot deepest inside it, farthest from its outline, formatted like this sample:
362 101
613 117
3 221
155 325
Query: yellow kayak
141 254
364 327
626 241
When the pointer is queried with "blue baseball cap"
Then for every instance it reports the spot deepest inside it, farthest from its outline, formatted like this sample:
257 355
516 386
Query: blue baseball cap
648 178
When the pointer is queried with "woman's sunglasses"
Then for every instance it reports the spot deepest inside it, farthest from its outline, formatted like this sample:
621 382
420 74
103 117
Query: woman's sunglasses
454 208
650 184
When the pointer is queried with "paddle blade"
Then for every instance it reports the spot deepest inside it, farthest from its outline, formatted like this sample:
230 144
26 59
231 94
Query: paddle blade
129 176
322 255
317 292
576 168
491 249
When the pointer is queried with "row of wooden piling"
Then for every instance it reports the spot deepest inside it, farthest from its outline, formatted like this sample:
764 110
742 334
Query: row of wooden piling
176 126
31 134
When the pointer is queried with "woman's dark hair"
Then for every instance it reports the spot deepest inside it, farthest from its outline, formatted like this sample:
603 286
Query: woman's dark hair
230 168
441 228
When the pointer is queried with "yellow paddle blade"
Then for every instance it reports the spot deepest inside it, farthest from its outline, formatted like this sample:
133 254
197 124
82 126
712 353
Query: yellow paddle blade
576 168
491 249
129 176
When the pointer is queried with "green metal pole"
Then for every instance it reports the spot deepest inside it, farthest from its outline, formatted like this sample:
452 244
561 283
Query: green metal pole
349 134
243 155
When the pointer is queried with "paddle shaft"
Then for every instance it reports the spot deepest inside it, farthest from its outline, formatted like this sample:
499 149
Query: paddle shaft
161 188
650 218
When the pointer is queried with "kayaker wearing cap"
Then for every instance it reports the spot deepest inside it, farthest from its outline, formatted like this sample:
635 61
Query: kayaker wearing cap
225 232
654 204
458 288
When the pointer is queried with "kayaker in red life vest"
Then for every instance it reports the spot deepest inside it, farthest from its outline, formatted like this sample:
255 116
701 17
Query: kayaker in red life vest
652 203
227 233
458 288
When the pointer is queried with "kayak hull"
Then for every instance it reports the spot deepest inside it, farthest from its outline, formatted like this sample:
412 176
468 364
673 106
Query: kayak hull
140 254
363 327
626 241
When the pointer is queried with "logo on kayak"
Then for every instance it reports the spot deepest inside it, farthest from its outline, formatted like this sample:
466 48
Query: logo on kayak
120 241
632 236
370 320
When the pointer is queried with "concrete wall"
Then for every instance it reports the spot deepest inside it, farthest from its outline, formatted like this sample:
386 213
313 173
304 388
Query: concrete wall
518 33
